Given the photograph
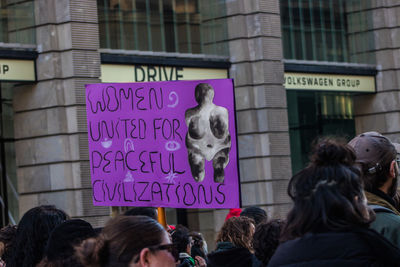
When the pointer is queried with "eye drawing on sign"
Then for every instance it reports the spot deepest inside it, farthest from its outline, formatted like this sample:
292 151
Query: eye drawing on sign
208 135
172 145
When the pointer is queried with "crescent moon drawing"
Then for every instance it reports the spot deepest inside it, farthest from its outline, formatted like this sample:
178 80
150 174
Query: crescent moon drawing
173 96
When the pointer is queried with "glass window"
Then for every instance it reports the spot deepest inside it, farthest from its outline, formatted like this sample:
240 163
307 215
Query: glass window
324 30
17 21
183 26
315 114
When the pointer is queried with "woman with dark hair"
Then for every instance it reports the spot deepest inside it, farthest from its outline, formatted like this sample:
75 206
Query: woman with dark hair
234 244
266 239
328 224
60 248
199 247
32 233
134 241
256 213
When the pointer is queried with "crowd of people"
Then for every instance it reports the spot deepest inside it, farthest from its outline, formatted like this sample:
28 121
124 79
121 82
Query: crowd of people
345 212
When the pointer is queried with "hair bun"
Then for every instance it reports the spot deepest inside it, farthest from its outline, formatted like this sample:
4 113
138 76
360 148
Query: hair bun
92 251
331 152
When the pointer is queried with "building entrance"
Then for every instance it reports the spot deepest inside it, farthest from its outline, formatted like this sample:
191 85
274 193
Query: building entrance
314 114
8 177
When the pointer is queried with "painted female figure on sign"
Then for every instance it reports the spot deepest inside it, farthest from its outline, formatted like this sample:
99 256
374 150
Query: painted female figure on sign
208 135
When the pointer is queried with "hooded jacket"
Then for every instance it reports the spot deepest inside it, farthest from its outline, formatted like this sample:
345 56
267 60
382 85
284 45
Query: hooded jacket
387 221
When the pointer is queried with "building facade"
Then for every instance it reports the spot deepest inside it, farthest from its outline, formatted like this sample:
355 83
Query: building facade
302 69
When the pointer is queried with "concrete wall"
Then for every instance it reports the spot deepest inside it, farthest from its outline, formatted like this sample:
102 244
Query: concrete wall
50 118
381 112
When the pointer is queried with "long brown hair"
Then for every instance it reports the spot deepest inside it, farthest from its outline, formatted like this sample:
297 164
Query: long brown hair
120 240
237 230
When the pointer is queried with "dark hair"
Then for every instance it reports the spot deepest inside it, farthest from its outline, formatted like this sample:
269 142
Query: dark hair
328 193
60 249
255 213
180 238
32 233
238 231
7 236
121 239
198 247
266 239
65 262
144 211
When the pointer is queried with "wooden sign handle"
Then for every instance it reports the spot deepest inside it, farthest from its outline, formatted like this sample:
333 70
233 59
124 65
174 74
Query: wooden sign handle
161 217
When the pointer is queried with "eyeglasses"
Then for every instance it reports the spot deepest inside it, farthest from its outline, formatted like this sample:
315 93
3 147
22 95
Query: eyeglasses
171 248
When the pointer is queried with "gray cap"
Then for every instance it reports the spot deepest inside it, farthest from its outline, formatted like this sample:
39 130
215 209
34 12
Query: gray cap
370 147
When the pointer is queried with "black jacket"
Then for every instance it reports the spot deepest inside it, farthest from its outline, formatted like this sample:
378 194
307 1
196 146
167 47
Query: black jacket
358 247
227 255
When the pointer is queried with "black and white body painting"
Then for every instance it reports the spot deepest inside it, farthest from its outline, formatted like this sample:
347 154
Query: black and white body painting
208 135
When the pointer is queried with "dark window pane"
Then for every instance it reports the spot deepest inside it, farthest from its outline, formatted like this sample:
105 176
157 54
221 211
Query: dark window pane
315 114
17 22
184 26
322 30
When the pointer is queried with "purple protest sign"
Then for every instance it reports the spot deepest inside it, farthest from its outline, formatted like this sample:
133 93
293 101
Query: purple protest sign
163 144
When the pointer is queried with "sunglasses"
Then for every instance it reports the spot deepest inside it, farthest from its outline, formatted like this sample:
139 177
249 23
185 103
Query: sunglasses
171 248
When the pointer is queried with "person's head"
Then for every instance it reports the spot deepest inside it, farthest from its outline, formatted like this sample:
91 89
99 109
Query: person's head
266 239
60 248
32 234
328 194
255 213
237 230
129 241
7 235
181 239
199 245
144 211
377 158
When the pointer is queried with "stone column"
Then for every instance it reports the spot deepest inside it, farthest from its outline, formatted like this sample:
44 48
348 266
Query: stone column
50 117
381 111
255 44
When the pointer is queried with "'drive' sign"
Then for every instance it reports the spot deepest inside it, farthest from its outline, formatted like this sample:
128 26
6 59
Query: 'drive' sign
163 144
113 73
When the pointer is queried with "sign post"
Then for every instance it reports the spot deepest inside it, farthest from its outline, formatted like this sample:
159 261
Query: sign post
162 218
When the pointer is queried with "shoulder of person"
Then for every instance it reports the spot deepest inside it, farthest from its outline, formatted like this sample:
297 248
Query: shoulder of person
387 219
384 243
186 262
388 225
381 209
